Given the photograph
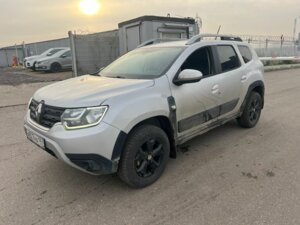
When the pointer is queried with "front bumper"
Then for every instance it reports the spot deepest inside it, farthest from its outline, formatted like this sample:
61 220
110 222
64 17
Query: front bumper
89 150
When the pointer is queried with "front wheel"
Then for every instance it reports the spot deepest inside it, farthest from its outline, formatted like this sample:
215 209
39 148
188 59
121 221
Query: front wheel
55 67
33 67
252 111
145 156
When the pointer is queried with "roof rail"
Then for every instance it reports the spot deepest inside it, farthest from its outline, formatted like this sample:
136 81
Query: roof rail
158 40
199 37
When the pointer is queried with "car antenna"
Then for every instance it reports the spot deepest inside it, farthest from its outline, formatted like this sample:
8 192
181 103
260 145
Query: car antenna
218 31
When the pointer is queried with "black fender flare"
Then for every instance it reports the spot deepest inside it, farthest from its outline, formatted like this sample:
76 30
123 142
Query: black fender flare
257 84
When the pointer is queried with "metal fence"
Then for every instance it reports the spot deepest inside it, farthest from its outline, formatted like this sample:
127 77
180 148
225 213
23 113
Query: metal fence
7 54
93 51
273 46
23 50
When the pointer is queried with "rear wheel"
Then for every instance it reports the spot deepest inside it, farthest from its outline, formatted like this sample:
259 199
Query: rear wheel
145 156
252 111
55 67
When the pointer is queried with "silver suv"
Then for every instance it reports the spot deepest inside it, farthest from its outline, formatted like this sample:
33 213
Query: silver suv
130 118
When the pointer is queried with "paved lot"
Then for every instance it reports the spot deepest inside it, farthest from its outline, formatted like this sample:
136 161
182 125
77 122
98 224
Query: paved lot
228 176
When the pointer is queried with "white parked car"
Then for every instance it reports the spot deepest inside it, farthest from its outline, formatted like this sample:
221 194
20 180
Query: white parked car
29 62
131 117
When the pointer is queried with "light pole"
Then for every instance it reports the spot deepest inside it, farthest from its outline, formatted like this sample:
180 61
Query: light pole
295 26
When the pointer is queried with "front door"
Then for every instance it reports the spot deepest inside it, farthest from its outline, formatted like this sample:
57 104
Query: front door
197 103
66 60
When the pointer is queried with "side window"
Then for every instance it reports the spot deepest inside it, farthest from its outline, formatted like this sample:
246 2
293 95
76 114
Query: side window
67 54
199 60
228 58
246 53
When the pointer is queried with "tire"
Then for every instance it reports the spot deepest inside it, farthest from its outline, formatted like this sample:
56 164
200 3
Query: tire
55 67
33 67
252 111
145 156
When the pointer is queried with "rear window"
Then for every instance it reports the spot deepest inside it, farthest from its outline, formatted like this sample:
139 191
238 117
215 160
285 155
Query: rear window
228 58
246 53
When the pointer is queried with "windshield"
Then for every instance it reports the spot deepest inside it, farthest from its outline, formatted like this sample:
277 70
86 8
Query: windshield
143 63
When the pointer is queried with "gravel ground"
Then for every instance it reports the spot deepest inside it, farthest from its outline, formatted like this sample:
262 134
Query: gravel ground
227 176
17 76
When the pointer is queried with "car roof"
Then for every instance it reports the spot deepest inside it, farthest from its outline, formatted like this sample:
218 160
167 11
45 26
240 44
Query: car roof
183 43
198 40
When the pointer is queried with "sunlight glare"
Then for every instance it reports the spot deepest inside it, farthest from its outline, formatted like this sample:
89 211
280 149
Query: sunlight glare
89 7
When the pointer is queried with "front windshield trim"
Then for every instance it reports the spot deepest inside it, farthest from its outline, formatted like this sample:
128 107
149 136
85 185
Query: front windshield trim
143 76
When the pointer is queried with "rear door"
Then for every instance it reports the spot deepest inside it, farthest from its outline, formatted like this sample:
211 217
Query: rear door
230 71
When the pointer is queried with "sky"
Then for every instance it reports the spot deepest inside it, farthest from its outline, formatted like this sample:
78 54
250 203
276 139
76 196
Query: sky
39 20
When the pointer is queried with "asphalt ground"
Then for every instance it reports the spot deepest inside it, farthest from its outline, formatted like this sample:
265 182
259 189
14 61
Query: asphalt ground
229 175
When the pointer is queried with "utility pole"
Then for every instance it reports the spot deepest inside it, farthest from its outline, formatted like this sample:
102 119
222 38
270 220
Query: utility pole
294 33
295 27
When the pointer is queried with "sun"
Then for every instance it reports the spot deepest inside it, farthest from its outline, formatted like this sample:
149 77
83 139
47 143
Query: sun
90 7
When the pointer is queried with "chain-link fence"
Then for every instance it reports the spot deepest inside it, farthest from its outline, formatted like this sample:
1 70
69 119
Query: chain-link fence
93 51
273 46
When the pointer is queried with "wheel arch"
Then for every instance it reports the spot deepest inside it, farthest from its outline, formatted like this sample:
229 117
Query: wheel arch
257 86
160 121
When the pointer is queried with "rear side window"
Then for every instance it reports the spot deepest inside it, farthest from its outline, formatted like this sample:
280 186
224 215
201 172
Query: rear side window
228 58
67 54
53 52
246 53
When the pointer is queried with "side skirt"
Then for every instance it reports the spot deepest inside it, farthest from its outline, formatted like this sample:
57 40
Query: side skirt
200 131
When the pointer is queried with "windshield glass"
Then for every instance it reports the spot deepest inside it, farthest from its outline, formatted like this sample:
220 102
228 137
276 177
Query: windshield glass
143 63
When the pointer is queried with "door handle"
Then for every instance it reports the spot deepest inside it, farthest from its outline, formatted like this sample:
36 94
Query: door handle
244 78
215 89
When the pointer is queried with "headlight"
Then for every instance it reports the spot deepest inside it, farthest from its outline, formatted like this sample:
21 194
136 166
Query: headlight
83 117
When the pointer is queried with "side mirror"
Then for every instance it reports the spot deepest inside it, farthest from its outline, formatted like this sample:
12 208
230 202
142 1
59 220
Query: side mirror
188 76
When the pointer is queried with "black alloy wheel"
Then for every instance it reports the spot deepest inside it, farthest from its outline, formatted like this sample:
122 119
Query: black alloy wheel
149 157
145 156
252 111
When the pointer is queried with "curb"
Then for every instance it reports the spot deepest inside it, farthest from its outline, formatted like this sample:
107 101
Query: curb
281 67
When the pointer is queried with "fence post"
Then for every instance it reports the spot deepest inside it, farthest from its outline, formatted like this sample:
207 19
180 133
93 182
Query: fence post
6 58
17 55
281 44
298 44
73 50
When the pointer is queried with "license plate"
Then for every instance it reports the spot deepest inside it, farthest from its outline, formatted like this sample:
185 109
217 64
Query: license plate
35 138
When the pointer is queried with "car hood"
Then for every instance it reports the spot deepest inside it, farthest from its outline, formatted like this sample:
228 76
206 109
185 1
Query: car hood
87 91
31 57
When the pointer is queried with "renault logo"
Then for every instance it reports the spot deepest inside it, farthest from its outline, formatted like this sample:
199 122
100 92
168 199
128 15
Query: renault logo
38 111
